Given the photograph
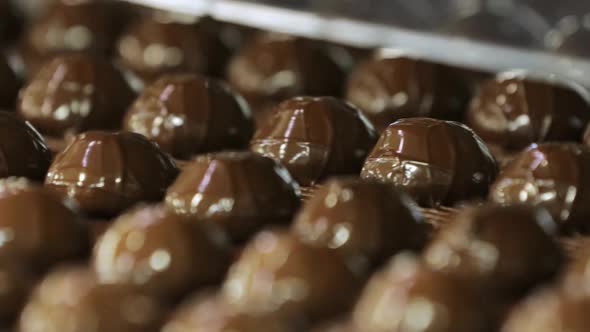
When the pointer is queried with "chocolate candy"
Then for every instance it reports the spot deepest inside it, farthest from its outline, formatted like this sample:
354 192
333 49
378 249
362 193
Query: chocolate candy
388 88
74 93
188 114
22 149
166 255
436 162
513 111
366 222
272 67
407 296
37 227
315 137
508 249
71 300
159 44
278 273
10 86
551 175
108 172
240 191
210 313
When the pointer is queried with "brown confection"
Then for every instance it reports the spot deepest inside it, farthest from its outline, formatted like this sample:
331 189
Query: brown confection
272 67
71 300
73 26
189 114
210 313
366 222
37 228
165 255
10 86
505 248
160 44
387 89
549 311
436 162
75 93
108 172
240 191
552 175
23 151
278 273
315 137
407 296
513 111
16 284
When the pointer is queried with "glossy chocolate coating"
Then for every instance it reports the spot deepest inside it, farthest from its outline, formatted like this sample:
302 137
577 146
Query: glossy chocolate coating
23 151
278 273
10 85
436 162
40 230
210 313
315 137
108 172
167 255
71 300
188 114
507 248
387 89
407 296
513 111
240 191
272 67
552 175
155 45
366 222
75 93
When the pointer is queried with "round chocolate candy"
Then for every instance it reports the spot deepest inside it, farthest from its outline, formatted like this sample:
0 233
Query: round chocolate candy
552 175
37 227
407 296
210 313
22 149
10 85
71 300
272 67
508 249
436 162
315 137
240 191
366 222
277 273
188 114
108 172
74 93
387 89
158 44
69 26
512 111
165 255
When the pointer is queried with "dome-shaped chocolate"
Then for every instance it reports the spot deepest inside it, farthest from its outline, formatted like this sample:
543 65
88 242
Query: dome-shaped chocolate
278 273
505 248
513 111
272 67
71 300
10 85
74 93
387 89
315 137
108 172
366 222
23 151
167 255
240 191
552 175
436 162
159 44
188 114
